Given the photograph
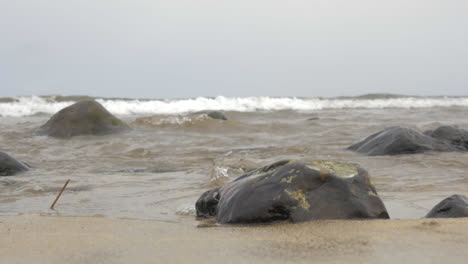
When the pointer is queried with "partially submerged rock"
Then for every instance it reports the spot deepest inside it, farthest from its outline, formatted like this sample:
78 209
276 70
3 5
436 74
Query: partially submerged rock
402 140
294 191
10 166
86 117
456 137
213 114
451 207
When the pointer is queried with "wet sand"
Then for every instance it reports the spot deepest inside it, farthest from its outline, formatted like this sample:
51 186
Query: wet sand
54 239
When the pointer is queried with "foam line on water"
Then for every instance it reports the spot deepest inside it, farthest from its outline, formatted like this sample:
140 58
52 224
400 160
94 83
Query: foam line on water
26 106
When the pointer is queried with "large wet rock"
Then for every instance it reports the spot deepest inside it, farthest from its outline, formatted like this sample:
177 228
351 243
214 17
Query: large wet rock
86 117
294 191
10 166
402 140
451 207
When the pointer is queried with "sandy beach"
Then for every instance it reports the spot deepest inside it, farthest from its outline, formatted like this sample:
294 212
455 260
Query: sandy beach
55 239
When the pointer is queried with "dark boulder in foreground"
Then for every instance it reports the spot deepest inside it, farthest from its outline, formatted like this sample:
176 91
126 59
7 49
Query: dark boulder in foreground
86 117
10 166
294 191
451 207
212 114
401 140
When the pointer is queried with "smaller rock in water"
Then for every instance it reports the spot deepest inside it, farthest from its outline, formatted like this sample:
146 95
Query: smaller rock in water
452 207
402 140
10 166
294 191
213 114
82 118
453 135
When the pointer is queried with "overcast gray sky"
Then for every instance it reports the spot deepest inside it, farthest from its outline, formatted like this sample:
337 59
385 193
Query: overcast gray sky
181 48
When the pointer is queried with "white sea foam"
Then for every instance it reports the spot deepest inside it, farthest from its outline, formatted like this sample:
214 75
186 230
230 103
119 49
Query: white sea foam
26 106
173 120
188 210
219 173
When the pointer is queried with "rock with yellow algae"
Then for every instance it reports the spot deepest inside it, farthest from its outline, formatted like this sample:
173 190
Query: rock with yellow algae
295 191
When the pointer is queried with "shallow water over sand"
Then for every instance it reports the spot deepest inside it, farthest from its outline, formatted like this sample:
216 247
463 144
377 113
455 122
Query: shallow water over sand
160 168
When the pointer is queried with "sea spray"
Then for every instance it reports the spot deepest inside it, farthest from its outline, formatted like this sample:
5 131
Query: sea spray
27 106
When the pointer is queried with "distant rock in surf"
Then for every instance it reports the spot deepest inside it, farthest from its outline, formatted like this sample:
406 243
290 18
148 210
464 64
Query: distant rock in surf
213 114
294 191
452 207
401 140
10 166
396 140
454 136
86 117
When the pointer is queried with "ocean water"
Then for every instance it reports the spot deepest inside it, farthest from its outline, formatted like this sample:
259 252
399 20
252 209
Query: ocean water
159 169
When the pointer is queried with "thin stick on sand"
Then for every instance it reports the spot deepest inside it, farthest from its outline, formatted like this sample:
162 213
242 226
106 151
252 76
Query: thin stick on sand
58 196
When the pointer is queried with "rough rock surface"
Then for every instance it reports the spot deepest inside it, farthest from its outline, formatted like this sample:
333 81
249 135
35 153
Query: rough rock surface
294 191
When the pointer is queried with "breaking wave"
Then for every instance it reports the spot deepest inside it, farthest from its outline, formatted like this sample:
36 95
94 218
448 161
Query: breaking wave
33 105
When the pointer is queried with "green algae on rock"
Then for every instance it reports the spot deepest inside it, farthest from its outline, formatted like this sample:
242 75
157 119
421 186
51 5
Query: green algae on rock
86 117
295 191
